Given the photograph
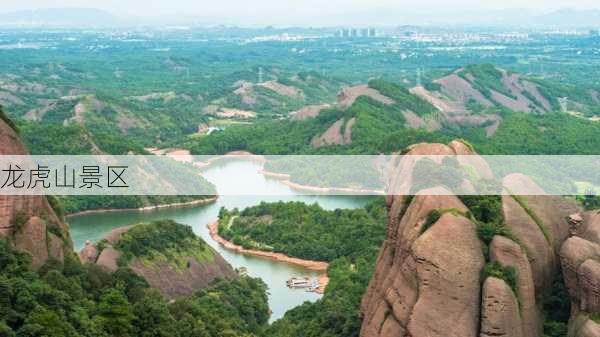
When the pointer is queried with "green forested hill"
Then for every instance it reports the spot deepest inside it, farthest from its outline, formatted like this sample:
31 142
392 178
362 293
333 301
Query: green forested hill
348 239
76 300
54 139
383 128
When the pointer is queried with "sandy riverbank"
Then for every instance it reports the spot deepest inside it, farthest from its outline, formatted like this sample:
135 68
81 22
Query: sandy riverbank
185 156
318 266
147 208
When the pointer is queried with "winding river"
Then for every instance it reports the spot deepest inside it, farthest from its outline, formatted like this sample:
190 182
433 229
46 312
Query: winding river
241 175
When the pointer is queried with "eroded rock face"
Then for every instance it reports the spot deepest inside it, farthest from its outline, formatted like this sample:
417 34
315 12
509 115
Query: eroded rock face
539 250
426 284
509 253
175 283
580 258
427 281
500 310
29 222
448 297
589 282
108 258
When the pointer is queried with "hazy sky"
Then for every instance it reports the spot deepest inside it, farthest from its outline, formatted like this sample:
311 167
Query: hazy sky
265 8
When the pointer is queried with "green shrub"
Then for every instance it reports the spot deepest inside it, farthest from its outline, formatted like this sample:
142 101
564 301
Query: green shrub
56 205
556 308
19 220
535 218
496 269
432 218
7 120
435 215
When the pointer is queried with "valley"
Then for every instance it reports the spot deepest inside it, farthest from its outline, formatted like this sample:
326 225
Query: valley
216 265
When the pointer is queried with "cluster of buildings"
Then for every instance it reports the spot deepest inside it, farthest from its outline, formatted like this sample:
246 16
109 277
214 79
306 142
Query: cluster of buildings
356 32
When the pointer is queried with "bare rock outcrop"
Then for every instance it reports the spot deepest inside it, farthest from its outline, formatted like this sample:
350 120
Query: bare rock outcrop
28 221
174 283
339 133
108 258
348 96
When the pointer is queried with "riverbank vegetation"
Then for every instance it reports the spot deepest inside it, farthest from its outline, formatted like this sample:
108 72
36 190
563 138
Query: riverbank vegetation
75 204
163 240
72 299
348 239
306 231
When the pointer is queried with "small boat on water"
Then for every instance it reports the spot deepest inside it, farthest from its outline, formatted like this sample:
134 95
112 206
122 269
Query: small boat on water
299 282
310 284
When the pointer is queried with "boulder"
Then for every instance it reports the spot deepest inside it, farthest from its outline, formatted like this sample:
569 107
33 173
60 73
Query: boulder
448 300
574 252
89 253
500 311
591 226
509 253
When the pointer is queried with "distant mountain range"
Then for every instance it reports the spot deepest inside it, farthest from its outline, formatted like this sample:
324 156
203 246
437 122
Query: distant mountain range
570 17
60 17
90 17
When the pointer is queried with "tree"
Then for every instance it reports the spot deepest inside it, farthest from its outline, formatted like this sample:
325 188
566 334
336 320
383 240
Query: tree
114 313
152 316
47 323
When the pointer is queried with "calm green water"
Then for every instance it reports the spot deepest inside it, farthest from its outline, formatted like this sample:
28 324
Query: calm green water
245 177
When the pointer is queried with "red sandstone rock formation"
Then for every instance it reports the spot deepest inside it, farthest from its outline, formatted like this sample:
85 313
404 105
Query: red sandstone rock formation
29 222
580 258
427 281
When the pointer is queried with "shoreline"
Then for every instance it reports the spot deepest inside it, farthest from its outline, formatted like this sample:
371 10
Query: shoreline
146 208
284 178
317 266
185 156
229 155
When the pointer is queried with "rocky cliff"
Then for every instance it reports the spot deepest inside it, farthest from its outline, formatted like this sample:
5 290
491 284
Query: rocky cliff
179 268
580 258
29 222
449 270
